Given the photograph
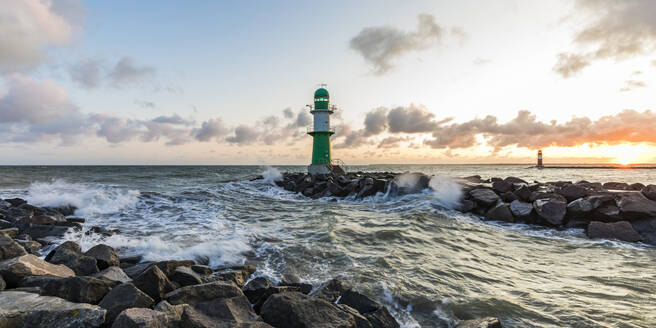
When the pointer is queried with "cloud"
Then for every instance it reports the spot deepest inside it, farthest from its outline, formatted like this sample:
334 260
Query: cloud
174 119
145 103
27 28
87 73
392 142
380 46
375 121
127 71
244 135
116 129
211 129
412 119
288 113
35 102
613 30
632 84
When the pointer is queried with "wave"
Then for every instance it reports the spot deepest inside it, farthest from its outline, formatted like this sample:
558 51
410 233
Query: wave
271 175
89 199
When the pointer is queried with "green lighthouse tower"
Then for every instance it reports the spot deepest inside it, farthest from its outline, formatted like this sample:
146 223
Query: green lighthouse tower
321 132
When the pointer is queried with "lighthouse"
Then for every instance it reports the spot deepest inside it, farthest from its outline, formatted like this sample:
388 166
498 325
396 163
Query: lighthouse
540 158
321 132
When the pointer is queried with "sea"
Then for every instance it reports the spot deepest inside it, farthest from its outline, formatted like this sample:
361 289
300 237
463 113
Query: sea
430 265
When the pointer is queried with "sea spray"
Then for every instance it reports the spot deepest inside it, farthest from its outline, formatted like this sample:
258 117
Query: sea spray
271 175
446 191
89 199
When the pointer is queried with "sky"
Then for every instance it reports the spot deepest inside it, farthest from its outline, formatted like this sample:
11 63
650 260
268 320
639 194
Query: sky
426 82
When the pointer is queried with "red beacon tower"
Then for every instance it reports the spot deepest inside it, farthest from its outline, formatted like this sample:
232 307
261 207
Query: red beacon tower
540 159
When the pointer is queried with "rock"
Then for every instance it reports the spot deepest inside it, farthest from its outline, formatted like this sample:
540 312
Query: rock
202 293
255 288
649 192
123 297
358 301
26 310
621 230
153 282
489 322
616 186
647 229
296 310
15 201
140 318
484 196
9 248
270 291
4 224
31 246
185 276
572 192
635 206
15 269
105 256
37 281
360 320
523 193
37 231
465 205
514 180
579 208
520 209
234 309
635 186
508 196
607 213
203 270
83 265
173 312
3 284
239 277
502 186
78 289
113 273
9 233
551 210
65 245
535 195
474 179
331 290
302 287
500 212
381 318
137 269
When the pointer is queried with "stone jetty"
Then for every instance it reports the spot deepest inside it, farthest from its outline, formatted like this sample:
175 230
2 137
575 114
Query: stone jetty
69 287
611 210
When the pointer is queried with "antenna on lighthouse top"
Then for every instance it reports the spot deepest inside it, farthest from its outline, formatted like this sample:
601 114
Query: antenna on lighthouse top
323 85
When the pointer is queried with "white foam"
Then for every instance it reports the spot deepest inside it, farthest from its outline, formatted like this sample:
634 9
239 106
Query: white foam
271 175
88 199
446 191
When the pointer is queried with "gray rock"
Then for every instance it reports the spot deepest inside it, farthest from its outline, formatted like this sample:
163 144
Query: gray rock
185 276
635 186
234 309
607 213
465 205
113 273
515 180
83 265
647 229
508 196
202 270
9 248
358 301
523 193
360 320
502 186
9 232
105 256
65 245
202 293
140 318
3 284
26 310
14 270
38 231
154 283
616 186
381 318
297 310
172 312
256 288
78 289
579 208
37 281
520 209
500 212
635 206
621 230
572 192
123 297
238 277
4 224
551 210
650 192
489 322
484 196
331 290
31 246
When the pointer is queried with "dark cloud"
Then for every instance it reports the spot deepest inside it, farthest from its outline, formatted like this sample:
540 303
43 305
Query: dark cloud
288 113
632 84
412 119
381 45
244 135
173 119
392 142
614 30
211 129
375 121
127 71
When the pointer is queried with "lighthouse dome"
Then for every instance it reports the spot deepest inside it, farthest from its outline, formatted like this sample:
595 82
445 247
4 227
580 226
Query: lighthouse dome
321 93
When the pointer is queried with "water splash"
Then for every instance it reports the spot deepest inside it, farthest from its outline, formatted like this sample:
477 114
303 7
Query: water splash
446 191
271 175
87 198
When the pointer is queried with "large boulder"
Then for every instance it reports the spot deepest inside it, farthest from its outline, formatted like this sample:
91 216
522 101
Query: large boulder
606 213
484 196
9 248
9 232
185 276
489 322
3 284
172 312
141 318
647 229
572 192
26 310
635 206
358 301
234 309
65 245
360 320
520 209
256 288
331 290
500 212
14 270
616 186
297 310
83 265
154 283
202 293
502 186
579 208
123 297
381 318
78 289
105 256
31 246
621 230
550 210
113 273
238 277
523 193
650 192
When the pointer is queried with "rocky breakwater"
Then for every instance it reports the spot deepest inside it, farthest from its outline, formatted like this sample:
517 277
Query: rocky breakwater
69 287
612 210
